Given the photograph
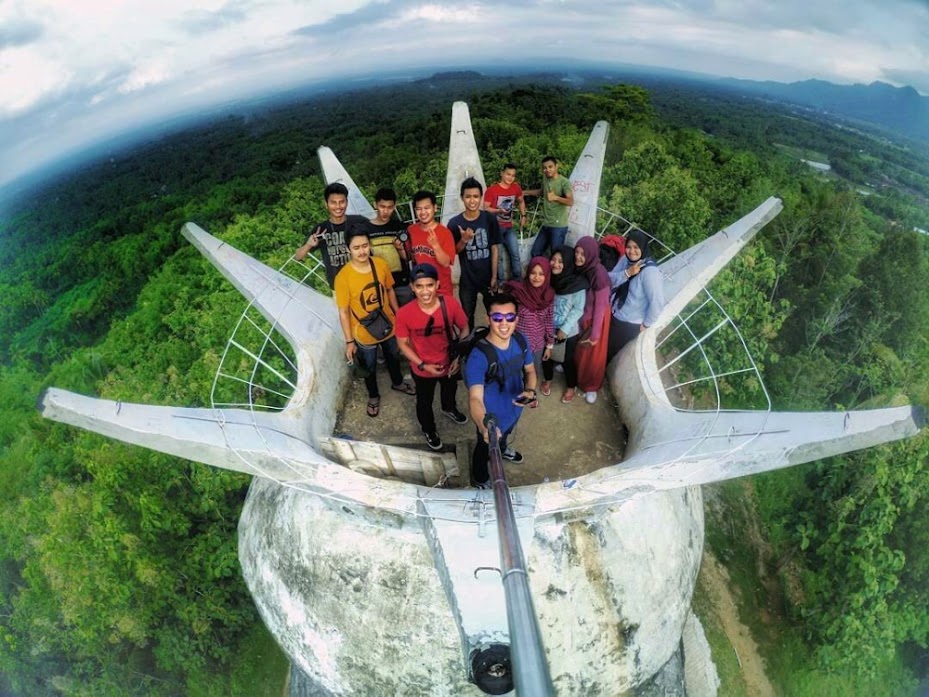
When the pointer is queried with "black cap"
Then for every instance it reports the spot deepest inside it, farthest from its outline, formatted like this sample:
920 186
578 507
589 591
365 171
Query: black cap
425 271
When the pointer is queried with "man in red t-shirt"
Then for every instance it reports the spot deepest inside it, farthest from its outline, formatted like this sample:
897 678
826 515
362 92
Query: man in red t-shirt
503 199
423 338
431 242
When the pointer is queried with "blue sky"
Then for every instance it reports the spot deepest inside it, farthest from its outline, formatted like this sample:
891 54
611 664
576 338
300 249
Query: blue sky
74 72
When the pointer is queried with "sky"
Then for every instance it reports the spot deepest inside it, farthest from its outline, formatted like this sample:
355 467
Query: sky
76 72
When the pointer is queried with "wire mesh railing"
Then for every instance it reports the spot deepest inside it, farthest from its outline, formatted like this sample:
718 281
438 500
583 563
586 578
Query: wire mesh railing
704 362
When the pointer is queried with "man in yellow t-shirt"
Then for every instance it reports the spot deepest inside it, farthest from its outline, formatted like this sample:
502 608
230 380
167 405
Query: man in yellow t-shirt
357 295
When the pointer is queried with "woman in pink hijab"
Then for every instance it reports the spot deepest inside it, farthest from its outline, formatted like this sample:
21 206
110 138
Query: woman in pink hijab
536 299
595 322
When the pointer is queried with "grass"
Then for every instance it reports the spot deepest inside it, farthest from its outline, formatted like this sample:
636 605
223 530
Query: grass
259 670
731 680
735 536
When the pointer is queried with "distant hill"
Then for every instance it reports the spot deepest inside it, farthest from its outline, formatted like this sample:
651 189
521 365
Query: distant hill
900 109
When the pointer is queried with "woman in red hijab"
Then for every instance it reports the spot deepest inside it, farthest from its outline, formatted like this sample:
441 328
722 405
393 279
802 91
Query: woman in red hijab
536 299
595 322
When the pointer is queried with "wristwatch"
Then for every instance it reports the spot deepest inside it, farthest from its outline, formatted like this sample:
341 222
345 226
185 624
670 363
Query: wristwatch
421 366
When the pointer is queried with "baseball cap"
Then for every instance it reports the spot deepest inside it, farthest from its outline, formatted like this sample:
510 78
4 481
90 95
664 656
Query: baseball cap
425 271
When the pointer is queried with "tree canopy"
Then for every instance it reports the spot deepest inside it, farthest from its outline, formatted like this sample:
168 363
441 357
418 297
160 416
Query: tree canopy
118 569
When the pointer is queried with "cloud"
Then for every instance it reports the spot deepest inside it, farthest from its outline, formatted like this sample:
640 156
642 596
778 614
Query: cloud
394 14
27 78
65 66
435 12
197 22
368 15
19 32
145 75
919 79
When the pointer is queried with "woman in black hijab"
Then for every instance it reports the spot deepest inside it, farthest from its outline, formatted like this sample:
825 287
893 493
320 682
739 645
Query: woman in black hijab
570 294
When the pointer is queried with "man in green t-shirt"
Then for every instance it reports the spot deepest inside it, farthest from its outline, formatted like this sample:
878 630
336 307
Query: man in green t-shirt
557 199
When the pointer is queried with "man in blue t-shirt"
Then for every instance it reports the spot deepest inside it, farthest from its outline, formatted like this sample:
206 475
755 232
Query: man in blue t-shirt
494 387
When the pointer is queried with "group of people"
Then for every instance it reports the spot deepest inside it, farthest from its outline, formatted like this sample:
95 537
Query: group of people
393 288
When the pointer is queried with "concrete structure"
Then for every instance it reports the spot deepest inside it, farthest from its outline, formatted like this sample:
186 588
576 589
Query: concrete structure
700 676
463 161
378 586
818 166
333 171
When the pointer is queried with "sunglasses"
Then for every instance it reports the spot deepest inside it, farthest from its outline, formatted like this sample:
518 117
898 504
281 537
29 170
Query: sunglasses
430 325
499 316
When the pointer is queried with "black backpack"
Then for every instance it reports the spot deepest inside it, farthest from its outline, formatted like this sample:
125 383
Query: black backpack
477 339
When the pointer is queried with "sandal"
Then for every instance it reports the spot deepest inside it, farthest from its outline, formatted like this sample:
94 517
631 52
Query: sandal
405 388
546 387
374 407
568 396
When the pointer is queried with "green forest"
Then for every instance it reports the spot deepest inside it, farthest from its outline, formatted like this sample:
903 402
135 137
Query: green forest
118 566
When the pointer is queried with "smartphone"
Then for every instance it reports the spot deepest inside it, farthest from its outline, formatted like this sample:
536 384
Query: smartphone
523 401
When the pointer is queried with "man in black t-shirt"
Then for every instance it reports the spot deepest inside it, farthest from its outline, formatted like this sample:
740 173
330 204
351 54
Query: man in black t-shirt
329 235
477 240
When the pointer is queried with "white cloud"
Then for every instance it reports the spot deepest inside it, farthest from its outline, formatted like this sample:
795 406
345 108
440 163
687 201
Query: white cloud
442 13
145 76
67 64
26 77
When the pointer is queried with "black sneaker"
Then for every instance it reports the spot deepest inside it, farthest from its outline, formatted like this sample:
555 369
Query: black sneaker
433 440
512 455
456 416
484 485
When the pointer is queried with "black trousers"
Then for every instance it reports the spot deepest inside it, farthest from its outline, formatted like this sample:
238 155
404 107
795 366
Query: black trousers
480 458
621 333
425 394
569 364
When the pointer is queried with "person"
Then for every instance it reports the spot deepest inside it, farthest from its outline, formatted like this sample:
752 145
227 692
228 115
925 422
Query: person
557 199
590 353
637 294
502 199
431 242
386 233
365 285
329 235
424 331
477 240
514 378
536 309
570 295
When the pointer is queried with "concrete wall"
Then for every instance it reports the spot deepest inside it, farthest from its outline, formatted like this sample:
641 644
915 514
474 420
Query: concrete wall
355 600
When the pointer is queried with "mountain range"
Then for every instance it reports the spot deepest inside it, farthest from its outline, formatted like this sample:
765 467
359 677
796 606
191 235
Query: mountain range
899 109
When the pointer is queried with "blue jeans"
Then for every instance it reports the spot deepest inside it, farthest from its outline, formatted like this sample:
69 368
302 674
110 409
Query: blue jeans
511 243
548 240
367 359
